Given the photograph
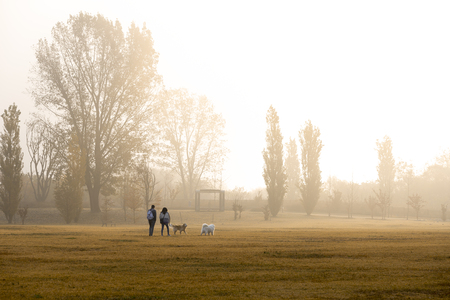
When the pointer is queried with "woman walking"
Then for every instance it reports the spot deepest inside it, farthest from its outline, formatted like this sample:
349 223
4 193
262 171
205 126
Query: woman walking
164 219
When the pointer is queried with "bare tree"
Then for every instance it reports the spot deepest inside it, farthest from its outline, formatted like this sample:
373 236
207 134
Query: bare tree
157 198
349 206
405 175
416 202
444 212
350 200
193 135
238 194
334 201
235 208
371 203
44 153
240 209
133 199
266 212
106 207
148 181
383 201
100 83
174 191
22 212
258 197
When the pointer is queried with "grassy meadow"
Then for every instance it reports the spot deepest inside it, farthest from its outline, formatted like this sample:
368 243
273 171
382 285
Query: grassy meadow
289 257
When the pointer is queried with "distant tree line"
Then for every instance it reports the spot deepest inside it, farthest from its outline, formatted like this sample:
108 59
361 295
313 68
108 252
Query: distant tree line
284 174
107 123
295 179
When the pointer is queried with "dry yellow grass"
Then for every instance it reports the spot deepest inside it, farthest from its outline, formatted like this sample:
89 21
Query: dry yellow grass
292 257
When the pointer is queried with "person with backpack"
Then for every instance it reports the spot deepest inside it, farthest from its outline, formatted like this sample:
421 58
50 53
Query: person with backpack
164 219
151 217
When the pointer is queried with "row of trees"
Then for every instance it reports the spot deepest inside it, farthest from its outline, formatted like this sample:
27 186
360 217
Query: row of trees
409 190
282 175
286 177
104 106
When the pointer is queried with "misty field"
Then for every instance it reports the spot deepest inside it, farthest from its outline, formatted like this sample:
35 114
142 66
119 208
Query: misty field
292 256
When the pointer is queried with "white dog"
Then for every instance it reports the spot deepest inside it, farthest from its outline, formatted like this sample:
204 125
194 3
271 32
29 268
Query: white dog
208 229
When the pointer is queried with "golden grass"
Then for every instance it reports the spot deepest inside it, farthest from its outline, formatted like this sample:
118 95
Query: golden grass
302 258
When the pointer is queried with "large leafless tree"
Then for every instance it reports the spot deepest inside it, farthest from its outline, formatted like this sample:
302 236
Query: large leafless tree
194 137
100 82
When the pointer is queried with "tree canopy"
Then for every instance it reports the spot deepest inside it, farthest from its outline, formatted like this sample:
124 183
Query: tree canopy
386 166
101 84
193 138
311 178
274 170
292 170
11 163
44 152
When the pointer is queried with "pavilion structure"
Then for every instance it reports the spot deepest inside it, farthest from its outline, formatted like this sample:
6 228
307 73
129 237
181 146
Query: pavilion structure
209 191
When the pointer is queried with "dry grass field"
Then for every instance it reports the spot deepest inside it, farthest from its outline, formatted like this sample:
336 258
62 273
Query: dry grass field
289 257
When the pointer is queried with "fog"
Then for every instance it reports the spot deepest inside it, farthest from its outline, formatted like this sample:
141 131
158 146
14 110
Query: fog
358 71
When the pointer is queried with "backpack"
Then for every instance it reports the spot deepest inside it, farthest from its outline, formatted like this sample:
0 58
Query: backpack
150 215
166 217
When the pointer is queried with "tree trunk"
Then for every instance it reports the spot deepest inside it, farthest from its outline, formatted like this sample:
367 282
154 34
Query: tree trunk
94 195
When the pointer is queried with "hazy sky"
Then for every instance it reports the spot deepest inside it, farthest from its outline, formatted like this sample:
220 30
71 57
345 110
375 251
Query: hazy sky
358 69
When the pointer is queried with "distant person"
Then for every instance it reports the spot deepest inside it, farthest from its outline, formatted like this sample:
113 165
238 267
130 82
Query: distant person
151 217
164 219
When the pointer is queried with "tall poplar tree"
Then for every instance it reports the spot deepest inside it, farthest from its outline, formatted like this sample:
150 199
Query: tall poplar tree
310 181
292 170
274 171
11 163
386 173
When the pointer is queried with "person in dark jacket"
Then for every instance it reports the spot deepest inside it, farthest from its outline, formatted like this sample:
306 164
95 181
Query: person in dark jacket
164 219
152 222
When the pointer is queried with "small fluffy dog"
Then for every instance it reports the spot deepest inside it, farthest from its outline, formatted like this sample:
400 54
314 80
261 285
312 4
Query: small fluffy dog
179 228
207 229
